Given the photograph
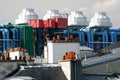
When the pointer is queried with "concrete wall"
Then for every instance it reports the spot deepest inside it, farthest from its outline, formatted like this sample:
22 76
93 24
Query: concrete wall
56 50
72 69
66 67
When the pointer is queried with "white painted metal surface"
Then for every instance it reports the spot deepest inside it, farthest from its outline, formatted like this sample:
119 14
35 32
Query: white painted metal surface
77 18
56 50
52 14
25 15
100 19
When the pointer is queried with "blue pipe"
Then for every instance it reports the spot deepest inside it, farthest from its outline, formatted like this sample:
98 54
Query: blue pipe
16 30
112 36
5 44
14 37
90 38
7 37
117 33
103 40
82 38
20 37
106 37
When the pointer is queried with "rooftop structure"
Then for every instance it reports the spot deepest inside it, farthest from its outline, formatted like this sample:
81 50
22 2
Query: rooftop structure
25 15
57 49
100 19
52 14
77 18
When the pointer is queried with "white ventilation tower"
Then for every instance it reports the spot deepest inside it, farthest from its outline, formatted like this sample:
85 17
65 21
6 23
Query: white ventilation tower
100 19
77 18
52 14
25 15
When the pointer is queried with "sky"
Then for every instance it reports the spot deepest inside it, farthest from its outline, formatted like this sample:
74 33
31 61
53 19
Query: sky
10 9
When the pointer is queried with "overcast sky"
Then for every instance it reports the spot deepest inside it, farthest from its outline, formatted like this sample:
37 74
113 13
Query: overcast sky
10 9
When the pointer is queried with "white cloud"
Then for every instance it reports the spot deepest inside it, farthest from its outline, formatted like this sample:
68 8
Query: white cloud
106 5
111 7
